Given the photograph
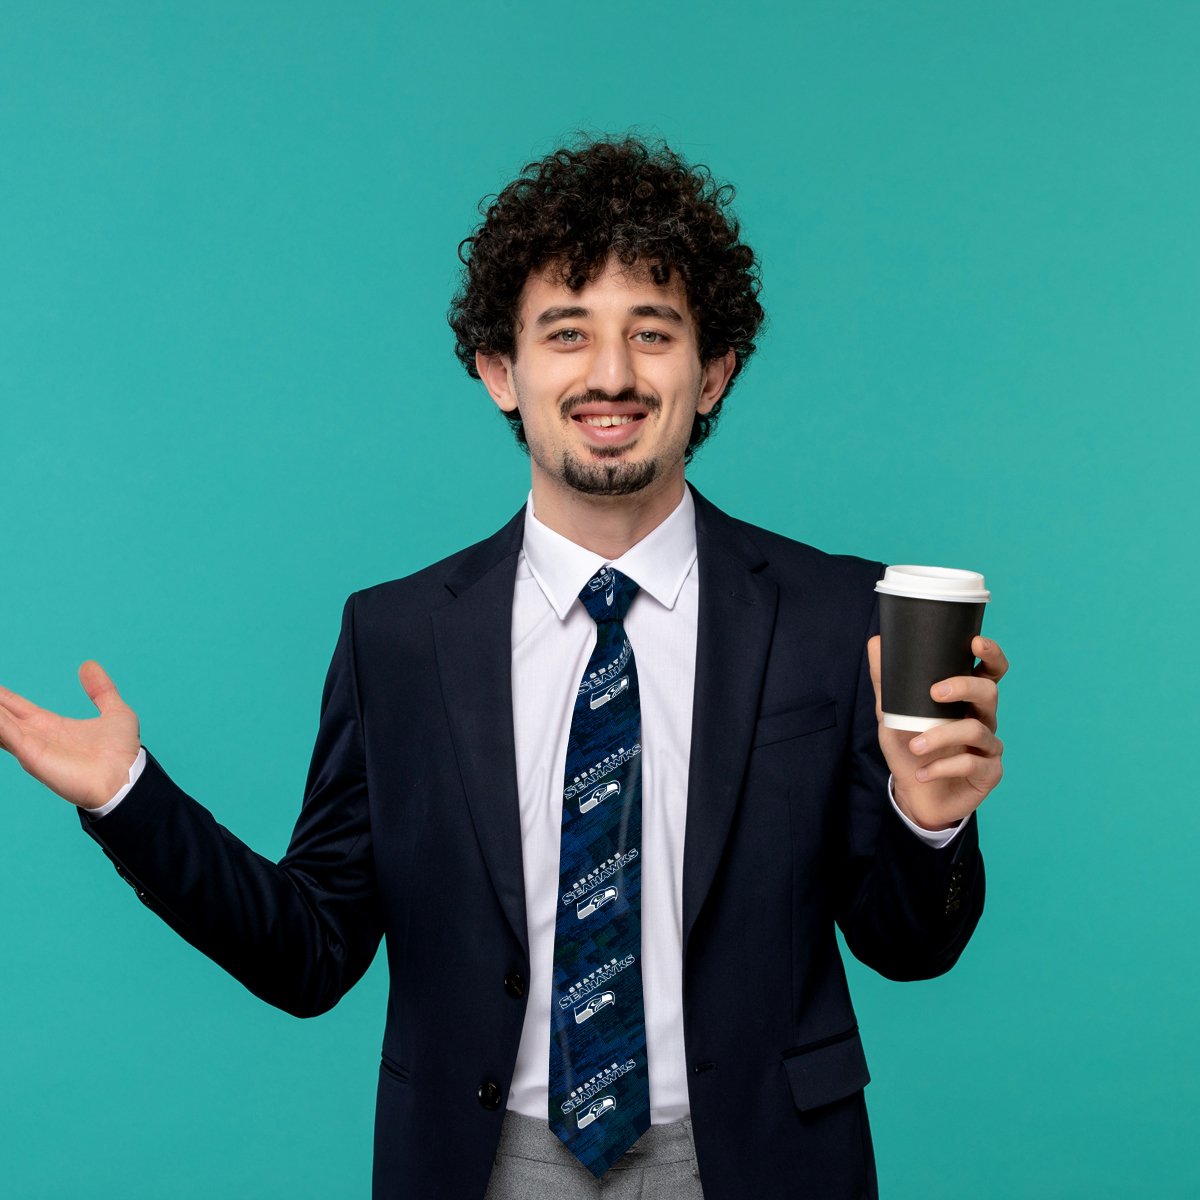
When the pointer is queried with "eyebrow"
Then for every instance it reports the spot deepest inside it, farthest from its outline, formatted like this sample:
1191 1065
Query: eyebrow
562 313
664 312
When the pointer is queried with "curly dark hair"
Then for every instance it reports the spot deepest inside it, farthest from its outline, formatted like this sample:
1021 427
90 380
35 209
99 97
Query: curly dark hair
627 197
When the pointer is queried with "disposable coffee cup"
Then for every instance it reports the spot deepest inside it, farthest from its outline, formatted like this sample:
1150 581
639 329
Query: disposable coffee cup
928 617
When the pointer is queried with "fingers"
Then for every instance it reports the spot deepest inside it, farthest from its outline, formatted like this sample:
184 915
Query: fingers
992 663
12 736
100 689
978 757
18 706
981 694
982 772
9 731
971 732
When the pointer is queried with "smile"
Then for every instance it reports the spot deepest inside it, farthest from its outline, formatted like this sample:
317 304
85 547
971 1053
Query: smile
610 420
614 425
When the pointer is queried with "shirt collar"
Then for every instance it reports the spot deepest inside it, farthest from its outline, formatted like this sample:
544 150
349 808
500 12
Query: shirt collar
659 563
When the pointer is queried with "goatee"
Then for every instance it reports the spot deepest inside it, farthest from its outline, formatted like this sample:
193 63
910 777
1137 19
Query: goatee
615 478
595 476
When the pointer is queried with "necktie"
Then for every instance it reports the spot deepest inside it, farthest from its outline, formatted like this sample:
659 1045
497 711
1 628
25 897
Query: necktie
599 1089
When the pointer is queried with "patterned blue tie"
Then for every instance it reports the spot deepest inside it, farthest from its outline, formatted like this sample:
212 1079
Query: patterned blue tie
599 1089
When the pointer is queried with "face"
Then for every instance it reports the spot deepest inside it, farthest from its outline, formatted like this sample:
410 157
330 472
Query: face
608 380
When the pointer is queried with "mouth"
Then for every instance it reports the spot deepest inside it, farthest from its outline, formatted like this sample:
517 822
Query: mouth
605 421
610 422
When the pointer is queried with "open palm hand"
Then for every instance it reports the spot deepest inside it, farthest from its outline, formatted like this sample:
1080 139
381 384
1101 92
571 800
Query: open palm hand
84 761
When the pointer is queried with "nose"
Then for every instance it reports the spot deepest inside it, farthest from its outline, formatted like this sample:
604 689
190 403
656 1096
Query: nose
611 367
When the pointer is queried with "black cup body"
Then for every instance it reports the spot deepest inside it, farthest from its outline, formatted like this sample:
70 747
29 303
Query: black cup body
924 642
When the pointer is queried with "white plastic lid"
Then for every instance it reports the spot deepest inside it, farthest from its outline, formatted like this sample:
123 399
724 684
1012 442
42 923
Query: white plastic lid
934 583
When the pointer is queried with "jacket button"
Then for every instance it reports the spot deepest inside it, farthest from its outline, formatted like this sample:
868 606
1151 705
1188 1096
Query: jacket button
489 1094
514 984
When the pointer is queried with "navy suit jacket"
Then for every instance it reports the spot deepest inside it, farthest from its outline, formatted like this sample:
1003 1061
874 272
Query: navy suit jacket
410 828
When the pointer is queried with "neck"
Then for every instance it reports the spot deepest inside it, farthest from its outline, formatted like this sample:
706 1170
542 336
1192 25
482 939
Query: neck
605 525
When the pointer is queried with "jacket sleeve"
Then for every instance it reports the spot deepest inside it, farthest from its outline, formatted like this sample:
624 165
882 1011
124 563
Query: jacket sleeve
906 909
300 933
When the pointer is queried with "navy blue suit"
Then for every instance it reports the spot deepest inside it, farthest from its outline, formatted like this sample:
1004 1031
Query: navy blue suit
410 828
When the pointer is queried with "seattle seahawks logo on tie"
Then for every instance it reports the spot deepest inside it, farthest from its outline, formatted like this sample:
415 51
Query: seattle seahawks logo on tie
611 788
599 1089
613 690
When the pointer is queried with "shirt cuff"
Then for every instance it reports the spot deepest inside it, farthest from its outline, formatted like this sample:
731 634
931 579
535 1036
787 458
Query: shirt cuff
939 839
135 773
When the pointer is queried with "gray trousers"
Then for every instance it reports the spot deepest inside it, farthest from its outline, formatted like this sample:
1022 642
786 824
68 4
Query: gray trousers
532 1164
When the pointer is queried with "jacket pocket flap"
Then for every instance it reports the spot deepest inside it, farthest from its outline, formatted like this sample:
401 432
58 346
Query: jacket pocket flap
828 1071
796 723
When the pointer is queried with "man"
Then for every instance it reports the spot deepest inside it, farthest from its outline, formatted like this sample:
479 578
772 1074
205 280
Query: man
606 780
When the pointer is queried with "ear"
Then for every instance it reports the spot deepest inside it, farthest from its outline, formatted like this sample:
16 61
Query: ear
495 370
715 380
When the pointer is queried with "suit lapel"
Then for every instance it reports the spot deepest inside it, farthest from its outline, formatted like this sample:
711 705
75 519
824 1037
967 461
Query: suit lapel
736 621
473 636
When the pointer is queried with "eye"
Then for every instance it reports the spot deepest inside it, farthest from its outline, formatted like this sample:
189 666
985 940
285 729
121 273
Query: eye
570 336
650 337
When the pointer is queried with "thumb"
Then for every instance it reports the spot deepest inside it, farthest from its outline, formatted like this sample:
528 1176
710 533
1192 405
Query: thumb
101 690
873 661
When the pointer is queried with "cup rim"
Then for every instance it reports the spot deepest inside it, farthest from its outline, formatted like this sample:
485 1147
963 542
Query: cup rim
934 583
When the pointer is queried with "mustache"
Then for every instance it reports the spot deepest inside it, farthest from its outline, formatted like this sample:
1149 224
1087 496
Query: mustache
652 404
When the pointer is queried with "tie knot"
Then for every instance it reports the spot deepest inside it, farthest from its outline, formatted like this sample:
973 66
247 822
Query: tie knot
608 595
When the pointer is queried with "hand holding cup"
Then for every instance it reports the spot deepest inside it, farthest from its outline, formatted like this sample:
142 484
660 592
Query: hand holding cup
945 757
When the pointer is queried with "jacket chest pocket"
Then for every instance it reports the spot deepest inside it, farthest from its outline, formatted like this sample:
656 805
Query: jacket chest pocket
795 723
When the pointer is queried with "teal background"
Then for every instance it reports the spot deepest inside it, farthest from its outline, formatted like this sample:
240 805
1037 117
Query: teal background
227 399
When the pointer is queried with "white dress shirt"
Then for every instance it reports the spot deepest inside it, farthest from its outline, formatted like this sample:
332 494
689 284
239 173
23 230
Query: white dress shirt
552 640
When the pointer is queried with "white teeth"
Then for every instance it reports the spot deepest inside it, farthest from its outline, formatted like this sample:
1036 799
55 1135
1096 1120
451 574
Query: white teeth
604 422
